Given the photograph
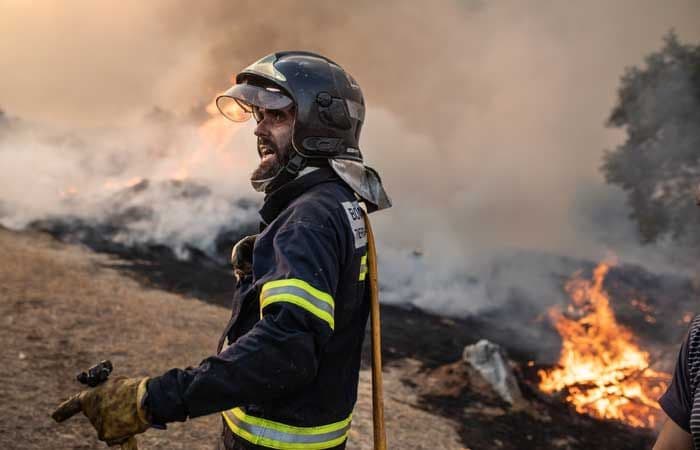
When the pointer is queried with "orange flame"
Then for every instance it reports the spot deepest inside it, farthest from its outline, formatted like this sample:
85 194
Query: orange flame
214 137
121 184
687 317
602 370
647 309
70 191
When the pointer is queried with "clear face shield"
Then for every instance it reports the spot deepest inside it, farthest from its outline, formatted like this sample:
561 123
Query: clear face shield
238 102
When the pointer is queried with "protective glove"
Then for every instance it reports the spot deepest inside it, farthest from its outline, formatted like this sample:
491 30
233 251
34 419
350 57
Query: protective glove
114 408
242 257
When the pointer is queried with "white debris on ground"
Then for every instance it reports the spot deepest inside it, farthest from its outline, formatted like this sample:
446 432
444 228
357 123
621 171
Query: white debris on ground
490 361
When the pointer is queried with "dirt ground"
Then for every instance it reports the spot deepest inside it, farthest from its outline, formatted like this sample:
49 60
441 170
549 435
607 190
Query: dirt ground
63 308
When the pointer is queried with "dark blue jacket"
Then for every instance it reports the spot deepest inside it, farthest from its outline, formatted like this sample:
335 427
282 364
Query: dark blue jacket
290 372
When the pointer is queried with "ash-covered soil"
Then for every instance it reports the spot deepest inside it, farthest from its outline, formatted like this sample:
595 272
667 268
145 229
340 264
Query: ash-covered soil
64 307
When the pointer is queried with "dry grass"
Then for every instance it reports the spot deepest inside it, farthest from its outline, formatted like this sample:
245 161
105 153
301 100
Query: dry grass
64 308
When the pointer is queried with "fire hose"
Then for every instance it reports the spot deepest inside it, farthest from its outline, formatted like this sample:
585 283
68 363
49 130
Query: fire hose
377 388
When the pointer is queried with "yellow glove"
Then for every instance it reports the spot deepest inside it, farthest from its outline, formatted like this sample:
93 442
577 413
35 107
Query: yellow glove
114 408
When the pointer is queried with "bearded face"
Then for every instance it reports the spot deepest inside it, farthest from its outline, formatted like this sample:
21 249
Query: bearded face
274 132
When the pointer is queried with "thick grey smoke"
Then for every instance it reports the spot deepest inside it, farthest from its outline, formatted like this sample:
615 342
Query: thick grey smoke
485 119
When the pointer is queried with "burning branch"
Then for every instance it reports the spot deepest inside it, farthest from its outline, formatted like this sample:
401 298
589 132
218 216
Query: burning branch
601 369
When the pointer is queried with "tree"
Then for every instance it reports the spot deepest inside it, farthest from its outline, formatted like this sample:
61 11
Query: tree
658 166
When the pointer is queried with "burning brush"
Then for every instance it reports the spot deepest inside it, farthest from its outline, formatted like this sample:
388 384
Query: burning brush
601 369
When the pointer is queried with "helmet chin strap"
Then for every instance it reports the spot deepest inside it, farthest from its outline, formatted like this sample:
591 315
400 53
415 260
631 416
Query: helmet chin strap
286 174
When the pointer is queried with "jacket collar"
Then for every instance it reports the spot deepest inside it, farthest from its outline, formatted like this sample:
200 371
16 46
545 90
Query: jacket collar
276 201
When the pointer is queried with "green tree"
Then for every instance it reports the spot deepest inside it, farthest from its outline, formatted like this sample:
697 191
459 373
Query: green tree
658 166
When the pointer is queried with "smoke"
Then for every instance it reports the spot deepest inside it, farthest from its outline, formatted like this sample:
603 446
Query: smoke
167 181
485 119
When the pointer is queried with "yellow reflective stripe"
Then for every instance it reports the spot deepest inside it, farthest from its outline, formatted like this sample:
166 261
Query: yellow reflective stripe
363 268
301 294
301 284
283 427
300 302
282 436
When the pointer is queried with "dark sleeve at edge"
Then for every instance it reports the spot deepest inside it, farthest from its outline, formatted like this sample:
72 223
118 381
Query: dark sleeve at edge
676 401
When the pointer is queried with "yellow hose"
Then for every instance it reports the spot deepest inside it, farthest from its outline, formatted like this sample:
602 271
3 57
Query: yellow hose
377 389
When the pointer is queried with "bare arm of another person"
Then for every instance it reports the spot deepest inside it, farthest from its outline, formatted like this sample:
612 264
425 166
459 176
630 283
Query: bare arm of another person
673 437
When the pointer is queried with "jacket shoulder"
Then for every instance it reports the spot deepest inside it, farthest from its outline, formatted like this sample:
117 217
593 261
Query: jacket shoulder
332 207
322 205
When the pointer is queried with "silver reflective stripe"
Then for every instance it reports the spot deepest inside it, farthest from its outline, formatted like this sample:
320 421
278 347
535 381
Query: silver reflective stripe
293 290
289 438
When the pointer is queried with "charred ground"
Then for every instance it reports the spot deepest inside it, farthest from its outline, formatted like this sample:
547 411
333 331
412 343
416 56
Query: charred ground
421 348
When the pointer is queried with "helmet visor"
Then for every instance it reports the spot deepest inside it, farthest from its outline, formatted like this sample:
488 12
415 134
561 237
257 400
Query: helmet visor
237 102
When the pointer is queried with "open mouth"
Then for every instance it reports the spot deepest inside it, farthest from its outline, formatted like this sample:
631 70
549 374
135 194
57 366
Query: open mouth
266 152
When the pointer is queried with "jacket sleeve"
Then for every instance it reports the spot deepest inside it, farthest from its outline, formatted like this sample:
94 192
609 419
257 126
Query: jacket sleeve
281 352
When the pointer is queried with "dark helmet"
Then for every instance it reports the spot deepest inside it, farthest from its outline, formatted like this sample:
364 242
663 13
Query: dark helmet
329 105
330 109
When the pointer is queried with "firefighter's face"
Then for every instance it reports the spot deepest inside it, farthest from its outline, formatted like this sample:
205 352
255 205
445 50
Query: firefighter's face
274 132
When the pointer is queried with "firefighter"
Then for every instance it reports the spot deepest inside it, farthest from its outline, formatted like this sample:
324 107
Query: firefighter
286 372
